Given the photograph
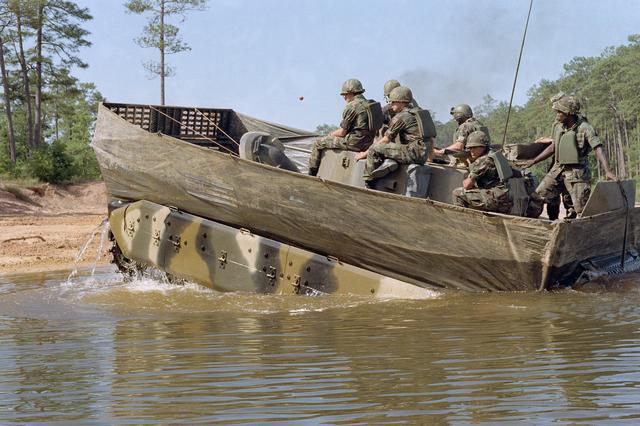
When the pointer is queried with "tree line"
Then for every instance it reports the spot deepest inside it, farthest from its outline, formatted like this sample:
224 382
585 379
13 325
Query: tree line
607 87
47 115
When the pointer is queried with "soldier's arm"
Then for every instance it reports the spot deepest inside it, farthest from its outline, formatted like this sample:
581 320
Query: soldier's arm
548 152
594 140
348 118
339 132
602 158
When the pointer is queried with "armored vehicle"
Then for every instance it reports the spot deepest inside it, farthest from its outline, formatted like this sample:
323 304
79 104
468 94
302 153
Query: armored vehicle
209 195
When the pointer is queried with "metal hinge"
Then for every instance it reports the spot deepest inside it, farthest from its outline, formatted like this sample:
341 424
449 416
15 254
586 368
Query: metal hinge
271 275
176 242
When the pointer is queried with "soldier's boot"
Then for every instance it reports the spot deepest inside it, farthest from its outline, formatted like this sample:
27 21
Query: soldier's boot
387 166
313 171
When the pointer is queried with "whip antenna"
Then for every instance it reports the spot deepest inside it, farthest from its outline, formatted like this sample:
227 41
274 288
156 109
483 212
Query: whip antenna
515 79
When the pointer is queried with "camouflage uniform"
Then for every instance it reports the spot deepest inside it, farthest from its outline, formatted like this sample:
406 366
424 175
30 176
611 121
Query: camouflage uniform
571 181
388 113
489 194
410 149
355 121
462 133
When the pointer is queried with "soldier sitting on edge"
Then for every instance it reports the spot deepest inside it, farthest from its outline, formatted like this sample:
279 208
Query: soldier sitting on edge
482 188
353 134
404 125
386 110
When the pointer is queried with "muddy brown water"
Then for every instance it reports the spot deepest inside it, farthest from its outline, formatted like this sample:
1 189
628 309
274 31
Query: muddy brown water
96 350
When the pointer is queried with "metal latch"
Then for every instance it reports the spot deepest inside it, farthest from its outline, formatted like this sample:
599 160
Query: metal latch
296 283
346 162
176 242
131 228
156 238
271 275
222 259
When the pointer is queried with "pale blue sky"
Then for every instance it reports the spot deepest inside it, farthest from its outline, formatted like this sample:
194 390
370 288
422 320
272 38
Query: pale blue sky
259 56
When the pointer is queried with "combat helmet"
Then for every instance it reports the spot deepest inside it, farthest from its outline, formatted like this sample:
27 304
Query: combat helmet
567 104
389 86
401 94
461 111
352 85
477 138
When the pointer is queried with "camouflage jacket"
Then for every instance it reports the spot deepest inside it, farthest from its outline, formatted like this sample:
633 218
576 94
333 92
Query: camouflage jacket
404 125
355 121
388 113
484 173
468 127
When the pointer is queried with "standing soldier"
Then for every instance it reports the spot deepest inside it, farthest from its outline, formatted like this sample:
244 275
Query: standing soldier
482 189
572 140
467 124
354 133
411 147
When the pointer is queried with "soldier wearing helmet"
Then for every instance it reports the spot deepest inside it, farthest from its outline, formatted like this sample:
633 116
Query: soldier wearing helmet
467 124
410 148
353 133
386 110
571 141
482 189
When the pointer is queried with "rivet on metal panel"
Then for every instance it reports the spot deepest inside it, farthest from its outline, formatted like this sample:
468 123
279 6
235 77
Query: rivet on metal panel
290 263
249 250
223 259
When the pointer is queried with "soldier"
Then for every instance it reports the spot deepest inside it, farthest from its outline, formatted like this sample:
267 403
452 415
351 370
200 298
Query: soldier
572 140
482 188
353 134
404 125
467 124
386 110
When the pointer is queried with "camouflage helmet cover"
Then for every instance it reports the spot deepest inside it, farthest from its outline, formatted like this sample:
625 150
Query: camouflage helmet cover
461 111
401 94
477 138
567 104
352 85
389 86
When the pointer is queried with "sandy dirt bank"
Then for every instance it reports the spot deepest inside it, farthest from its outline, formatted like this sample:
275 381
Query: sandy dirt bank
43 227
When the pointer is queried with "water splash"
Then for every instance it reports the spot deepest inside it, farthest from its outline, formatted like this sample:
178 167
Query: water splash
103 228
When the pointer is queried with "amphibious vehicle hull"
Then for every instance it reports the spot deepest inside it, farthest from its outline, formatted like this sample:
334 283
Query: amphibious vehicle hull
421 242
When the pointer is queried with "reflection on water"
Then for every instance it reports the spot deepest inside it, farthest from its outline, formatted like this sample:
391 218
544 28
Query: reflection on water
98 350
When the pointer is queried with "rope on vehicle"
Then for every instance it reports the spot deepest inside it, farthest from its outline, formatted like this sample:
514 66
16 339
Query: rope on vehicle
216 126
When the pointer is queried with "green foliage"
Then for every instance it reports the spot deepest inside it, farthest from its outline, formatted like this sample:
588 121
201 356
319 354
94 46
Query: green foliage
325 129
51 163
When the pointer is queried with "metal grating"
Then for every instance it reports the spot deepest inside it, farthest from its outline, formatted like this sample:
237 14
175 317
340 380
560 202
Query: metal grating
200 126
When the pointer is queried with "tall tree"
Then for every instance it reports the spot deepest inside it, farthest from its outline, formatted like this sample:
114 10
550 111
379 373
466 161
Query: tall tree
60 36
20 9
5 20
161 35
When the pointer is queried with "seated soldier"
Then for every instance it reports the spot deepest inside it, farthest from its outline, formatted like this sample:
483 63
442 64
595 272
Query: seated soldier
482 188
387 112
404 125
353 134
467 124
